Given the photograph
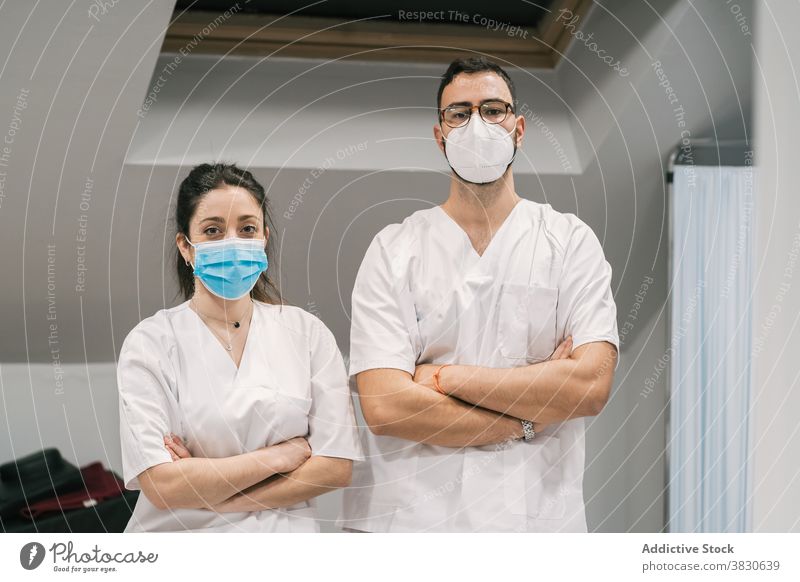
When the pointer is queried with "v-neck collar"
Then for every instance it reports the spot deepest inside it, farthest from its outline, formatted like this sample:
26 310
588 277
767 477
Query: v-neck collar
220 348
449 219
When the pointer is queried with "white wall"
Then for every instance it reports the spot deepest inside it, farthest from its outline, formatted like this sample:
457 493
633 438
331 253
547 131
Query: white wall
628 127
77 413
293 113
776 343
82 80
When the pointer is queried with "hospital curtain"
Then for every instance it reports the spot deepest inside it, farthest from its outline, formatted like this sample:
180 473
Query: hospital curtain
709 349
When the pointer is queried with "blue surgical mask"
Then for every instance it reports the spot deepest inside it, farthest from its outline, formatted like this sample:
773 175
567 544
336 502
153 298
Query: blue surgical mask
229 268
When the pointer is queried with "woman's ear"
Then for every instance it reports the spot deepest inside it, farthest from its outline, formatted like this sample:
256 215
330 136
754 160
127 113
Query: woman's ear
184 247
266 234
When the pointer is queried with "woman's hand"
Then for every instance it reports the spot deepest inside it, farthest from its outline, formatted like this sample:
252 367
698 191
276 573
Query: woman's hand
177 449
284 457
289 455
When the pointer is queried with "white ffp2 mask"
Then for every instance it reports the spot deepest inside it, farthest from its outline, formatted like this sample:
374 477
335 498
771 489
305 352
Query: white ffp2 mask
479 152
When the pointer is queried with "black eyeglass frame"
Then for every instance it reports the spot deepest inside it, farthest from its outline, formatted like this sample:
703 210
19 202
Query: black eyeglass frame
508 107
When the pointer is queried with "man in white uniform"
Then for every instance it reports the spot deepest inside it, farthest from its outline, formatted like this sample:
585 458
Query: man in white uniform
483 331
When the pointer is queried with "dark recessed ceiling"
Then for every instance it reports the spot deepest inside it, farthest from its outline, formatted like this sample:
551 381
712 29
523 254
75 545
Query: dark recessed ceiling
512 13
518 32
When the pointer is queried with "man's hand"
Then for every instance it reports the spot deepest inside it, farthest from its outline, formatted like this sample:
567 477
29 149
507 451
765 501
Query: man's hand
563 351
423 374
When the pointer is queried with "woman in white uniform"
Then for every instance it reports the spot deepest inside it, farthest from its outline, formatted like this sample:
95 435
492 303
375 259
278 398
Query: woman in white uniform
235 411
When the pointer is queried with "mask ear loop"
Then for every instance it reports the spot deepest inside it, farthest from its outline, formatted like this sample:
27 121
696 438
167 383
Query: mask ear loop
186 238
513 139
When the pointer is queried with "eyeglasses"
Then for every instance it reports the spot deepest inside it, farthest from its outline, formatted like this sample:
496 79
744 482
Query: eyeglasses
494 111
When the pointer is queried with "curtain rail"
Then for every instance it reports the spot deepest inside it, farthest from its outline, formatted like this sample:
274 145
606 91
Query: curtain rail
707 152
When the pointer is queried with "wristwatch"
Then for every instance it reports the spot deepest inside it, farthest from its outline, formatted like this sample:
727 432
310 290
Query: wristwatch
527 430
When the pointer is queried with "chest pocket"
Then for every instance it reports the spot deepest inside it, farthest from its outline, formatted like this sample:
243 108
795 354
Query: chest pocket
264 416
527 323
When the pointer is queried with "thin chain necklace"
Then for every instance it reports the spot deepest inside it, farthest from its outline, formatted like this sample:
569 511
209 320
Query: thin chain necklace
236 324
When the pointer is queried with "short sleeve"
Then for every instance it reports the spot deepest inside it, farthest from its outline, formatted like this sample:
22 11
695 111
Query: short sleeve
332 423
382 316
585 301
148 409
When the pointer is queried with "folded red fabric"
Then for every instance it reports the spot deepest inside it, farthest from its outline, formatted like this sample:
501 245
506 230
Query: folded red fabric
98 485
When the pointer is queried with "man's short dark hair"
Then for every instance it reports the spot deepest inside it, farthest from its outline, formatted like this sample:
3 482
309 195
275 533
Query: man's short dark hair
471 65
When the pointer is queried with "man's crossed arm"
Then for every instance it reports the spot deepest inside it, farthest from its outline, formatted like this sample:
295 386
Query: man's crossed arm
483 405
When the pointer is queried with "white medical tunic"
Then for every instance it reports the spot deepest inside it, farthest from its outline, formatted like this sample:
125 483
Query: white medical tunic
174 375
423 295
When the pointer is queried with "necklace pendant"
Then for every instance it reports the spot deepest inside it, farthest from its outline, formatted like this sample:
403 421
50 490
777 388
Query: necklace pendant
229 347
236 324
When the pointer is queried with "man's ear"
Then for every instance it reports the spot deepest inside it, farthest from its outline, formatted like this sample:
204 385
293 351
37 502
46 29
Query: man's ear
439 137
520 129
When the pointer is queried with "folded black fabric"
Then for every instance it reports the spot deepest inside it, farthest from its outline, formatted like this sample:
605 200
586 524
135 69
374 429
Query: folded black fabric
110 516
35 477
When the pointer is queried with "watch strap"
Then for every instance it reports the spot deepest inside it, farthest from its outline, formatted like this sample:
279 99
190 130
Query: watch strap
527 430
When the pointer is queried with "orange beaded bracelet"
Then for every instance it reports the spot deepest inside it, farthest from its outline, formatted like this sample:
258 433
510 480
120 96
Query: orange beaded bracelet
436 385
